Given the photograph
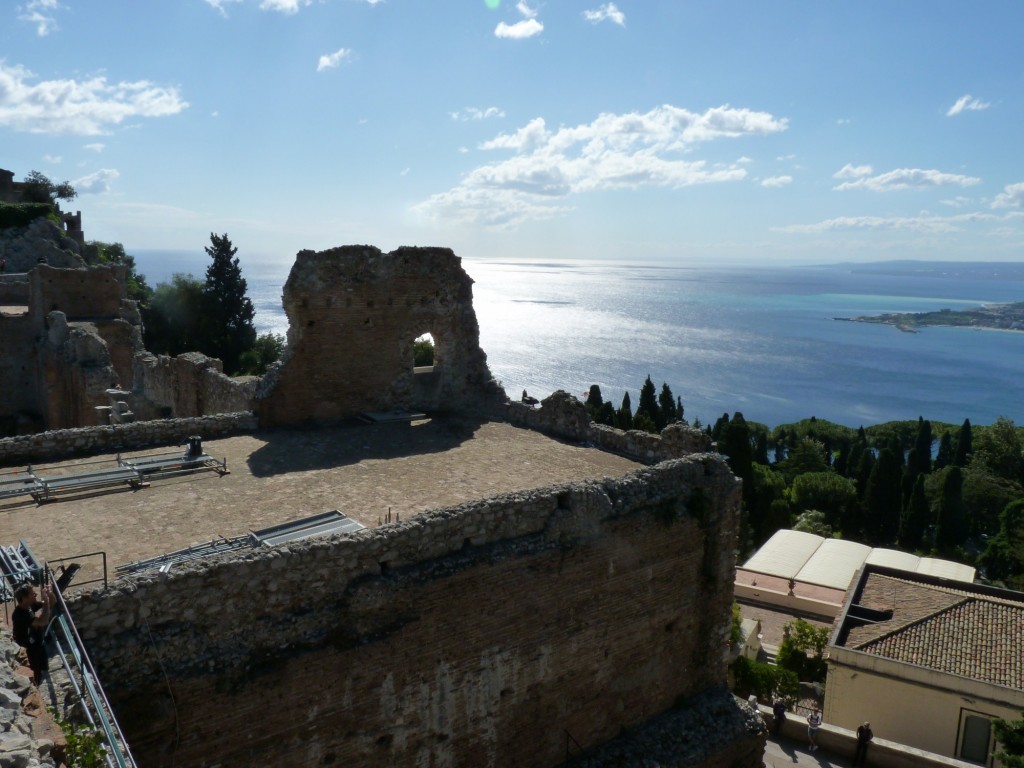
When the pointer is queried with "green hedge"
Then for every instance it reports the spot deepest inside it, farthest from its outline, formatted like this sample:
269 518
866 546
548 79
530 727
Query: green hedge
22 214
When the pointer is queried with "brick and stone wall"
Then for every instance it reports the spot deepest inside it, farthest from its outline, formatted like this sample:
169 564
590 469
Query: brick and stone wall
88 441
190 384
477 635
17 371
354 313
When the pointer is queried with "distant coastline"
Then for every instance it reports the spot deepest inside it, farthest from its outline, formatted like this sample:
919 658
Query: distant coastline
994 317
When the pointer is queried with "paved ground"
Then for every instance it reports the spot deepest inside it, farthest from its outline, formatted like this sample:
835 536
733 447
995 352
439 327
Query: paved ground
362 470
781 752
773 622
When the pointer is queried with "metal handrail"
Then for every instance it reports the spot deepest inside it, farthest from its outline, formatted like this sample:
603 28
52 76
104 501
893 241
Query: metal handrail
21 564
118 751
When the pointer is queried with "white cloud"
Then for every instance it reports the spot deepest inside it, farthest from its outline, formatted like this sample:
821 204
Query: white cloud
925 223
53 159
526 10
221 5
474 113
607 12
287 7
404 172
956 202
520 30
96 147
852 172
967 102
1012 196
902 178
95 183
40 13
743 160
332 60
615 151
843 121
776 181
86 107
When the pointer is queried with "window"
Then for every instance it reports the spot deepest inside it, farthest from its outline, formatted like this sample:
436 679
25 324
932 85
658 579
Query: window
975 737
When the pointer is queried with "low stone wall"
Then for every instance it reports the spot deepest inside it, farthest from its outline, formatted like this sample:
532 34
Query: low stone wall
14 289
87 441
477 635
563 416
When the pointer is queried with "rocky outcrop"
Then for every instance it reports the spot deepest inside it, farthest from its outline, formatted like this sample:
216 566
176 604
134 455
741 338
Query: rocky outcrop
28 736
42 240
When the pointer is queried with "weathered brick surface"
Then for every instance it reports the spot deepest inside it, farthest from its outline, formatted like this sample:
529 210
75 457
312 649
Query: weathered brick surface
471 636
353 315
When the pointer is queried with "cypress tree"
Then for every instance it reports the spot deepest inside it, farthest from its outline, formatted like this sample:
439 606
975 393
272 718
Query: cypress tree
923 443
648 403
624 416
951 520
944 456
882 498
228 313
964 445
914 518
666 407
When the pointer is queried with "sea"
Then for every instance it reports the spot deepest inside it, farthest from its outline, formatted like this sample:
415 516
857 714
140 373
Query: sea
767 341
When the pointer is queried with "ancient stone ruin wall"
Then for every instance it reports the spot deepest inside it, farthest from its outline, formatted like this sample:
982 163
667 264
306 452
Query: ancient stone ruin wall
190 384
17 372
89 441
563 416
353 315
478 635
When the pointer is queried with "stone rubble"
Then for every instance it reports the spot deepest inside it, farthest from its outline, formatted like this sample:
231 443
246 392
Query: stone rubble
18 747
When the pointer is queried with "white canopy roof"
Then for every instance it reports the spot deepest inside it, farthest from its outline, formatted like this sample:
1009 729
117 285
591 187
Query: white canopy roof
812 559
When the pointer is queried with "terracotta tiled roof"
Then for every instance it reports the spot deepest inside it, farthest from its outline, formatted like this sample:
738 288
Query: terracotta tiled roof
949 630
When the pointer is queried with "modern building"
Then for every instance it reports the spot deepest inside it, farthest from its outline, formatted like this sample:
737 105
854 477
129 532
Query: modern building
929 661
806 574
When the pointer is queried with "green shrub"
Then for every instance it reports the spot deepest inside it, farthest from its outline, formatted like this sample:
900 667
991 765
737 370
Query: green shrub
763 680
22 214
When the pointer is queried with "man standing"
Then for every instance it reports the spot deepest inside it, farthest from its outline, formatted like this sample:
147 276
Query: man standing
29 629
813 724
864 737
778 715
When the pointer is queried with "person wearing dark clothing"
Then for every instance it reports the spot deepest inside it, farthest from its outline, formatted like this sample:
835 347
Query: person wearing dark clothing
864 737
29 620
778 716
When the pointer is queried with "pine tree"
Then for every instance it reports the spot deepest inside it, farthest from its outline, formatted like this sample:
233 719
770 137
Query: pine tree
228 313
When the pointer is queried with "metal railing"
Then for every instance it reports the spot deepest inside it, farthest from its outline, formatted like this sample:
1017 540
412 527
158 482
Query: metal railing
19 564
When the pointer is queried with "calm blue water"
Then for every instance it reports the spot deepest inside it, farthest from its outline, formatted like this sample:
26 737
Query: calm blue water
757 340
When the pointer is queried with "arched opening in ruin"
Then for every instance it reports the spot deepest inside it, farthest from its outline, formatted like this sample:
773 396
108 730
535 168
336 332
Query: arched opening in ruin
424 353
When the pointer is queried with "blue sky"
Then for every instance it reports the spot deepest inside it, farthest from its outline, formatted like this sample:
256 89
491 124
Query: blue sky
695 132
